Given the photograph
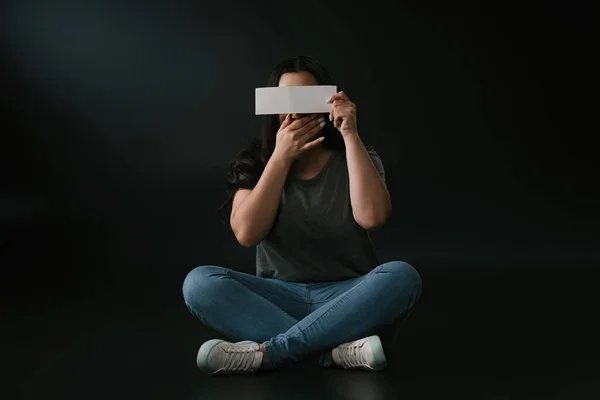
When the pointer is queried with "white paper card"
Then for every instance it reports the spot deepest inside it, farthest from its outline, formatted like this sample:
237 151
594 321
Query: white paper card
294 99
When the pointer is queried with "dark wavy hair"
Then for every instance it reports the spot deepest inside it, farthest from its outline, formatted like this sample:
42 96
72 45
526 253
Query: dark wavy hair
244 171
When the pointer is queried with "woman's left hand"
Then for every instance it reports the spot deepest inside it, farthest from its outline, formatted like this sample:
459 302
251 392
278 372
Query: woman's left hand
343 114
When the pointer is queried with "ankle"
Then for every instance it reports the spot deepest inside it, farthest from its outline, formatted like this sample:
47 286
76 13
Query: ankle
265 362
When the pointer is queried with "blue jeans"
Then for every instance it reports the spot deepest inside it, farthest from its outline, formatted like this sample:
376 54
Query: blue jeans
295 319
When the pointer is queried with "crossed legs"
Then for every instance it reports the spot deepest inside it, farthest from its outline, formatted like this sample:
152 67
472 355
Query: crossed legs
278 314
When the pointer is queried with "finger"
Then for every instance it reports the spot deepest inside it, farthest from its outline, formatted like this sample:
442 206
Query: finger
342 109
301 122
338 96
334 110
312 133
341 102
338 122
337 116
338 106
286 122
312 144
314 124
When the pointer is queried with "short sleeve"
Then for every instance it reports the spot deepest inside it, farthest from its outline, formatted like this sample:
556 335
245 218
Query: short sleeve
376 162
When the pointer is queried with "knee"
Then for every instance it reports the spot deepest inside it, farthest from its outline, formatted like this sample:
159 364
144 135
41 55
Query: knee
405 276
200 281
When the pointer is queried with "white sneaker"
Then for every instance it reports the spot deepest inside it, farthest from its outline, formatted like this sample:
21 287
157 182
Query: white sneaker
220 357
365 353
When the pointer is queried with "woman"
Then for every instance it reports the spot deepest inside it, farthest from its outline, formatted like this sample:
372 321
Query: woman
305 193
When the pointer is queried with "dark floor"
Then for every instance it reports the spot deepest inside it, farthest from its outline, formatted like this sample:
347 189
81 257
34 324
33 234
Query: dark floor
520 333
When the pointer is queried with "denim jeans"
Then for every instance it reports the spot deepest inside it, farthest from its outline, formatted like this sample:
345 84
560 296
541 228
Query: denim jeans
294 319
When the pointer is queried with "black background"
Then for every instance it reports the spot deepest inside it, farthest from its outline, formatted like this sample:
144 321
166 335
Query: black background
118 121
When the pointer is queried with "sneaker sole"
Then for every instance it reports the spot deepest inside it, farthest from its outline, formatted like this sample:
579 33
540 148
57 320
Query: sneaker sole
202 357
378 354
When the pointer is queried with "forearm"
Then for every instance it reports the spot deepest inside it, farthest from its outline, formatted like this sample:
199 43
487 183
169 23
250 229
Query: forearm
254 217
369 197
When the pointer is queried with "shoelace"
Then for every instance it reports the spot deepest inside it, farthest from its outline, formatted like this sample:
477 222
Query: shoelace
240 357
352 356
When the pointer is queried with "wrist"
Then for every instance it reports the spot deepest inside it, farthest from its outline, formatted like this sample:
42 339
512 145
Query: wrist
280 160
351 137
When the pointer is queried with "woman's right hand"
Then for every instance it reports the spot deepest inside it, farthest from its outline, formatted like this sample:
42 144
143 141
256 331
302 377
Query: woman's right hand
293 136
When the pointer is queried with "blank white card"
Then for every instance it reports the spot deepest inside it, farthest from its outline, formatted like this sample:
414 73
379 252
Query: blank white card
294 99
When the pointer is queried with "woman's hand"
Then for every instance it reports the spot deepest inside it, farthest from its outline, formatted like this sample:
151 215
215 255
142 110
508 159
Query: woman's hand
343 114
294 135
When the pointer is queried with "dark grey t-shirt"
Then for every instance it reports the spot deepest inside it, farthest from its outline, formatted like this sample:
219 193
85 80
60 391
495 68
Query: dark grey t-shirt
315 237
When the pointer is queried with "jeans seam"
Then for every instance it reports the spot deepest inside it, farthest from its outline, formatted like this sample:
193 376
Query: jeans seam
307 301
344 296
